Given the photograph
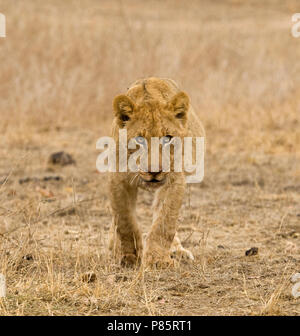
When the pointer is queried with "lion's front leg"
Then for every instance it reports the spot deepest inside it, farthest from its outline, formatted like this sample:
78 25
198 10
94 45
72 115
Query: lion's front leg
123 202
167 204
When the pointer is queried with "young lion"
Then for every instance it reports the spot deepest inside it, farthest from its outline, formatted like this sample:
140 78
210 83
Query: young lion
152 107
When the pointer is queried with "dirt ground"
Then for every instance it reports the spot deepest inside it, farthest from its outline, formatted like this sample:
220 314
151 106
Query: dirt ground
63 63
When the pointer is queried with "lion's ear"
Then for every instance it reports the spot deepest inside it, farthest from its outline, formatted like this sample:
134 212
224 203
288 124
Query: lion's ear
180 104
123 107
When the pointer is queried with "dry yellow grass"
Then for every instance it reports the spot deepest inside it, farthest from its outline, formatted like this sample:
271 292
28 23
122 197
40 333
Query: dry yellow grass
62 63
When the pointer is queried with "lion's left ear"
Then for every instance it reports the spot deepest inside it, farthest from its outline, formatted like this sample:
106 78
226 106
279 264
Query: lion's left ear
180 104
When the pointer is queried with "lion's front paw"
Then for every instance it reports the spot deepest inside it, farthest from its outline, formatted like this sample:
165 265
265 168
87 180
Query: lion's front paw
130 260
182 254
165 263
158 261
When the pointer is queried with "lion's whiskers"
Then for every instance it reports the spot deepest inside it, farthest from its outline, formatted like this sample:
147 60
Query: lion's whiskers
133 179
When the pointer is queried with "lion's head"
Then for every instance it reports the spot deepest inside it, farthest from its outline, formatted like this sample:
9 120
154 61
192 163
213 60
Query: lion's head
152 109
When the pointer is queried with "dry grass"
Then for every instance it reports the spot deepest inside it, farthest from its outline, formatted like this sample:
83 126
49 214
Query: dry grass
62 63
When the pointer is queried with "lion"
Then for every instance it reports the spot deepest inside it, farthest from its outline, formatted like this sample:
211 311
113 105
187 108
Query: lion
151 107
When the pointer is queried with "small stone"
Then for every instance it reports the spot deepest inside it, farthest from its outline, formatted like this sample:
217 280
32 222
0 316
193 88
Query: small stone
51 178
120 278
251 252
61 158
28 257
88 277
294 234
67 212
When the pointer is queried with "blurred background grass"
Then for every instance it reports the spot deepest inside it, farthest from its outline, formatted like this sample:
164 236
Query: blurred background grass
63 62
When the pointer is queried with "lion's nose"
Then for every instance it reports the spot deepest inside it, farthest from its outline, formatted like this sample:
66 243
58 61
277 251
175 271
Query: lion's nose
158 170
154 174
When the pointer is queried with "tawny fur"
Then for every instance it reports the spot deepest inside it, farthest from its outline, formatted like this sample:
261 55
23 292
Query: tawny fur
152 107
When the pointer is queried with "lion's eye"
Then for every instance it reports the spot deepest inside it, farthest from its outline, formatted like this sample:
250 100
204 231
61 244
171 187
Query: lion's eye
124 117
180 115
167 139
140 140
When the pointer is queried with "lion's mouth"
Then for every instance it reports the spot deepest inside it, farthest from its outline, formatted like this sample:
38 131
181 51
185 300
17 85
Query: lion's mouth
154 181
